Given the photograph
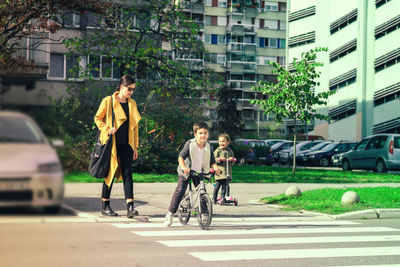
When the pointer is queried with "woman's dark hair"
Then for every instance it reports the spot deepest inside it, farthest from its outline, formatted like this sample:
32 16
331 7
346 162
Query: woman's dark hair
125 81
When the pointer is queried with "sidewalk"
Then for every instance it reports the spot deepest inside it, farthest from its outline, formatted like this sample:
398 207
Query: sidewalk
152 200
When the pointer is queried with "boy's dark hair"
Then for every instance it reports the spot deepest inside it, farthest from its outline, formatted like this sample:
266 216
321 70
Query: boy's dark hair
199 125
226 136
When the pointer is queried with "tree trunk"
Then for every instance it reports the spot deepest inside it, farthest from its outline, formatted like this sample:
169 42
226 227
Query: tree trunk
294 148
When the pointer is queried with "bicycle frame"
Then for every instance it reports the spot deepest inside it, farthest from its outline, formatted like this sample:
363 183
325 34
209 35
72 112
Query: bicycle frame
194 194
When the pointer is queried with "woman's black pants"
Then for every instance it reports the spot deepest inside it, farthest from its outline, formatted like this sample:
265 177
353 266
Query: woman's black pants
125 155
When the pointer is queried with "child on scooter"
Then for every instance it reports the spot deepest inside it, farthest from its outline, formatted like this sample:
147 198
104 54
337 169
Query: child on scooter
221 154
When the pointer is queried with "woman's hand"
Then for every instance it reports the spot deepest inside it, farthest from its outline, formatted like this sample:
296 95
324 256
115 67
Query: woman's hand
135 154
186 170
111 131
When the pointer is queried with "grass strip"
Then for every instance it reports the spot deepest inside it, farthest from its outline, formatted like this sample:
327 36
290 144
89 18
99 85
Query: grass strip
328 200
263 174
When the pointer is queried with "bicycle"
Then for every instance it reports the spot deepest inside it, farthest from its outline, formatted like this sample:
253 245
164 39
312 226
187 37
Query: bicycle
197 200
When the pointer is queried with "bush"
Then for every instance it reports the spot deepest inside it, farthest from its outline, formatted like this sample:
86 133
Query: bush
240 151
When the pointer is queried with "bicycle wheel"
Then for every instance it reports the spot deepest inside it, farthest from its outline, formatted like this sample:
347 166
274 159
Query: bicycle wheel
205 211
183 210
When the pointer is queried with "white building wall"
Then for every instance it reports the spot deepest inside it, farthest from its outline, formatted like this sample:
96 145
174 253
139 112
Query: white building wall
339 130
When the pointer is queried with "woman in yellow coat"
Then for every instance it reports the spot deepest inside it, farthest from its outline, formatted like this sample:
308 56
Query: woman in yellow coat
125 135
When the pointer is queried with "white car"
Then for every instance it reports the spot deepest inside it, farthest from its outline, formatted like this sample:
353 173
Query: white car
30 171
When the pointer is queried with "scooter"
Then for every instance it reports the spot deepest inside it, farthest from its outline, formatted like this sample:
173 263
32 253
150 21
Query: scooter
228 198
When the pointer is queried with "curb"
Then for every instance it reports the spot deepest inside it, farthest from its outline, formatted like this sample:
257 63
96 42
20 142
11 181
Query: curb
360 214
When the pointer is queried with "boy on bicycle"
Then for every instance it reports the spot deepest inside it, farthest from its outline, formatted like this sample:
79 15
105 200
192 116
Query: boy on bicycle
196 155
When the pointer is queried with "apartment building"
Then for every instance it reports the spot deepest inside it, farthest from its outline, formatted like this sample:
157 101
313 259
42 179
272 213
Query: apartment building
362 37
240 37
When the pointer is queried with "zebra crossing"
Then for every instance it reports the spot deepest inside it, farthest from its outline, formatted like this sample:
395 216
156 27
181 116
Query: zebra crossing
275 240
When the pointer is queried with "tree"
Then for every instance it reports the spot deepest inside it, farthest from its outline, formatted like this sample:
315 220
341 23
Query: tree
292 96
228 118
22 18
34 20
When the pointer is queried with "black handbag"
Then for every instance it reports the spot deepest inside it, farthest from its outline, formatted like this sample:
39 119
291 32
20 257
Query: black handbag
99 165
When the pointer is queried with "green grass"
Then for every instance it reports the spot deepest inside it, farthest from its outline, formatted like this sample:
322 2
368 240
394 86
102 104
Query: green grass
263 174
329 200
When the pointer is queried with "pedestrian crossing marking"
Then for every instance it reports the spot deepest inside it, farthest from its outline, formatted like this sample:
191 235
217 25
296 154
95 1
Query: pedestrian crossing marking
296 253
278 241
299 223
265 231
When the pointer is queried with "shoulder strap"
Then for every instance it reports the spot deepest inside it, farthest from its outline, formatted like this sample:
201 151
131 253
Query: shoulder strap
112 112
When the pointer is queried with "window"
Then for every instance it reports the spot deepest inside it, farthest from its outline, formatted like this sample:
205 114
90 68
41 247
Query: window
261 42
387 94
272 42
271 6
343 50
343 80
362 144
303 13
207 38
56 65
214 39
281 43
65 66
342 111
221 58
377 142
282 25
208 2
343 21
271 24
222 3
302 39
379 3
221 39
387 27
390 126
70 19
387 60
103 67
396 142
221 21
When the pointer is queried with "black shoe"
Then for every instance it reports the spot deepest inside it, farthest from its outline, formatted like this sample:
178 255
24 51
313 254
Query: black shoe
107 210
130 212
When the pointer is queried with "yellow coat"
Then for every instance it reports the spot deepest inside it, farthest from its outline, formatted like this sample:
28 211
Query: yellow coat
103 120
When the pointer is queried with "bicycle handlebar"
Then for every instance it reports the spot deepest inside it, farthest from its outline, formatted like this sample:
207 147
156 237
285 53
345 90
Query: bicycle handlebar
230 160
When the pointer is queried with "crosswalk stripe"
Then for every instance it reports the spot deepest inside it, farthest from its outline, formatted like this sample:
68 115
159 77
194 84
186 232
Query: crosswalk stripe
265 231
299 223
296 253
276 241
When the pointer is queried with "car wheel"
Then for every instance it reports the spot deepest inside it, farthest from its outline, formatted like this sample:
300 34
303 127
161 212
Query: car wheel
346 165
324 162
380 166
52 209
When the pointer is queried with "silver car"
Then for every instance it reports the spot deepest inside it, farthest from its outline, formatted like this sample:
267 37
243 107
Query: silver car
30 171
379 152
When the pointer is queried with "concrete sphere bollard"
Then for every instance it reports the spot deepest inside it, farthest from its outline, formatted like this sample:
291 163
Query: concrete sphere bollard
293 191
350 197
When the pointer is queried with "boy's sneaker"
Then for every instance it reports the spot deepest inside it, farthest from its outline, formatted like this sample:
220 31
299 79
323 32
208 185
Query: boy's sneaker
168 219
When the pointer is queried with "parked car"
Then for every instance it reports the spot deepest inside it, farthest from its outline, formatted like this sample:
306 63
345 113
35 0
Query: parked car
278 147
337 159
320 145
323 156
285 156
258 153
271 142
30 171
379 152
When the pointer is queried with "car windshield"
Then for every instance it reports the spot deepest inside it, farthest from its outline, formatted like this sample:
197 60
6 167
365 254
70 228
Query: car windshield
329 147
319 146
19 130
277 145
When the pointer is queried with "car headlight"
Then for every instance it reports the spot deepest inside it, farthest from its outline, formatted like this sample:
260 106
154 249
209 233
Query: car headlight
312 156
49 167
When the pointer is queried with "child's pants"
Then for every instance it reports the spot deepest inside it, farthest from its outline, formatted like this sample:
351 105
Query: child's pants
218 184
179 193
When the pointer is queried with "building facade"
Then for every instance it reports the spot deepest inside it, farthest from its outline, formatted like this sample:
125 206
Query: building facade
240 37
361 64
